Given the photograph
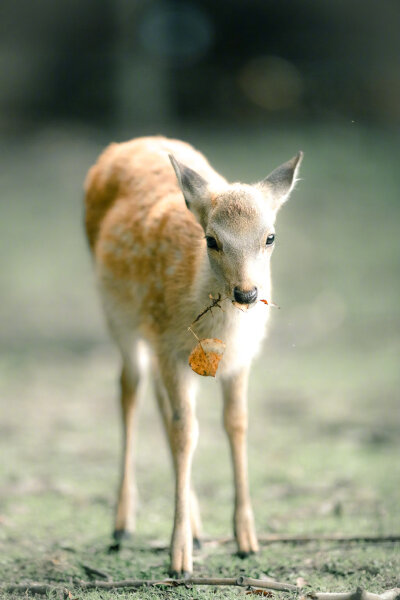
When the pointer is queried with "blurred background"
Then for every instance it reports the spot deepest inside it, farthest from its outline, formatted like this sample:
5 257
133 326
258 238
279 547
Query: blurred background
145 64
249 84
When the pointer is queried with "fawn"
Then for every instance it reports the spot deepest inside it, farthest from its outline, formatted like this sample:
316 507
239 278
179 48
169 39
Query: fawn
167 232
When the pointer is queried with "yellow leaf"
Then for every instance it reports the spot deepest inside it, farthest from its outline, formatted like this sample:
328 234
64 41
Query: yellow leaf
204 358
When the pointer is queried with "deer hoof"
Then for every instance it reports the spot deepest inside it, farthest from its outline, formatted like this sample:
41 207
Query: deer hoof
121 534
180 574
196 544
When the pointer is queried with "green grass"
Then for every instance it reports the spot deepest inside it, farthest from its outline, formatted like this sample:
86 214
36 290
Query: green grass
324 420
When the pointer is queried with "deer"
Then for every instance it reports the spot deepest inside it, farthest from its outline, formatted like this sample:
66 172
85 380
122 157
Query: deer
167 233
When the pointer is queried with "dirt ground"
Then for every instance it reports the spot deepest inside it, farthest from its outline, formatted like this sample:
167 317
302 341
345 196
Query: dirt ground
324 413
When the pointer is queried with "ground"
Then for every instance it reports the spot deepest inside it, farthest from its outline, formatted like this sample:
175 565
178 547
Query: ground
324 419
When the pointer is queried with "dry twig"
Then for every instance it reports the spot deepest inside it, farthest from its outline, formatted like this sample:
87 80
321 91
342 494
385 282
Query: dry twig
359 594
295 539
91 571
32 588
215 302
214 581
240 581
305 539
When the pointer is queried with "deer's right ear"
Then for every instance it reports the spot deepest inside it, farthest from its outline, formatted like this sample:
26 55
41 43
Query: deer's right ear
194 188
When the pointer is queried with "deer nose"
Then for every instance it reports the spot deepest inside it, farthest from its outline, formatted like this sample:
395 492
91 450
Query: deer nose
244 297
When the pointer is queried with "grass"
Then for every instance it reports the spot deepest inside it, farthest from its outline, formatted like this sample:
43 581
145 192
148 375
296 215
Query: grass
324 419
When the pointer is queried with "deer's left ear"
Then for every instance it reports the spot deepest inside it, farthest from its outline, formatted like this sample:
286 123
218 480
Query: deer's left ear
279 184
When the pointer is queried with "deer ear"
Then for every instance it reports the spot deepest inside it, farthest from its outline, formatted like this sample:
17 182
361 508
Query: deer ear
279 184
194 188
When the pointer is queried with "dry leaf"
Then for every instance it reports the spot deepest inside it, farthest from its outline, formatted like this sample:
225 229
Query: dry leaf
204 358
245 307
269 303
258 592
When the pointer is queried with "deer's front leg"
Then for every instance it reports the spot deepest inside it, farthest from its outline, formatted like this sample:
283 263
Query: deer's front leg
235 422
183 433
166 413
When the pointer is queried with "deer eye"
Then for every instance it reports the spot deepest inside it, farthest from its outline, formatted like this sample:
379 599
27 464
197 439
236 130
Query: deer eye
211 242
270 239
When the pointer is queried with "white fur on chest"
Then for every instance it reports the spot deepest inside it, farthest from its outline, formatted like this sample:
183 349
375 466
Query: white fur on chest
242 332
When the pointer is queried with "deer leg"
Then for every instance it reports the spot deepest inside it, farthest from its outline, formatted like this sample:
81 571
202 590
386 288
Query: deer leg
166 413
183 434
235 422
125 516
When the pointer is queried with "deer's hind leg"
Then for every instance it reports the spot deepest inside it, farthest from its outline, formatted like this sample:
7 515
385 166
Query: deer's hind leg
166 414
127 495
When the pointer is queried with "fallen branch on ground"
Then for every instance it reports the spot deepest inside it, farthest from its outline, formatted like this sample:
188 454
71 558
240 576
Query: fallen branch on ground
214 581
138 583
293 539
33 588
92 571
359 594
304 539
241 581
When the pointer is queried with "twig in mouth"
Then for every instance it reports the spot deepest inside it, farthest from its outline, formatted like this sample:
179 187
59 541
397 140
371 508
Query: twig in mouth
215 302
197 338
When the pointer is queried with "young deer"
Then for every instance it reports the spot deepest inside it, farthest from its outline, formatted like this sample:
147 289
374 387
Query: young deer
166 232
